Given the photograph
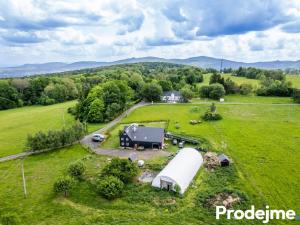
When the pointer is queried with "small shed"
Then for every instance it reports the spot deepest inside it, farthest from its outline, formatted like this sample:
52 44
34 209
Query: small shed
180 171
224 160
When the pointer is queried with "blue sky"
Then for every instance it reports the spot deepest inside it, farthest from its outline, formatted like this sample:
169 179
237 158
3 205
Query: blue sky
37 31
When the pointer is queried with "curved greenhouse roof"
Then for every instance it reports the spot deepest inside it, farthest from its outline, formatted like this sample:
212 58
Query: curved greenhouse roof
180 170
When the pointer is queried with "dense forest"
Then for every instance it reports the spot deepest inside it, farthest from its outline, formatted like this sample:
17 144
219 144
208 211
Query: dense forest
105 92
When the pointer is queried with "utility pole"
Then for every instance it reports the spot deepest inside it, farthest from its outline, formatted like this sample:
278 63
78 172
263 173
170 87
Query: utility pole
221 67
23 176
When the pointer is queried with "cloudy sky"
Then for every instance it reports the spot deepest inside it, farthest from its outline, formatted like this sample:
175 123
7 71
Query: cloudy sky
37 31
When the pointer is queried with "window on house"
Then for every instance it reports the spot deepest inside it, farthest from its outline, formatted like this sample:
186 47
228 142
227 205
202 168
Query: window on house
122 143
127 139
127 144
122 139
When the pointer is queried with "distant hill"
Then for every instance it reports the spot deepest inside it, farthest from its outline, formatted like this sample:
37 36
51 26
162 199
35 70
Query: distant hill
200 61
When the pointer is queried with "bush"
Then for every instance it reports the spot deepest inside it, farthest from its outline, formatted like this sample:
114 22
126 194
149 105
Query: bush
63 185
10 218
217 91
123 169
110 187
76 170
56 139
246 89
211 116
45 100
214 91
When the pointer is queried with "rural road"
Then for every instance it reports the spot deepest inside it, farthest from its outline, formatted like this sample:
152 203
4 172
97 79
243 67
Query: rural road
86 141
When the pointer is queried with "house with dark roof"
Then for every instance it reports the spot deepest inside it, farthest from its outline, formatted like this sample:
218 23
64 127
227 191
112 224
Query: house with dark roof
171 96
135 136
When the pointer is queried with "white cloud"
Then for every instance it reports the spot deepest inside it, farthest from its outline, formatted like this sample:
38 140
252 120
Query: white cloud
67 30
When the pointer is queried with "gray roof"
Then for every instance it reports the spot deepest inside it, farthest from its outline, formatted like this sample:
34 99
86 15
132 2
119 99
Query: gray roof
168 93
145 134
223 157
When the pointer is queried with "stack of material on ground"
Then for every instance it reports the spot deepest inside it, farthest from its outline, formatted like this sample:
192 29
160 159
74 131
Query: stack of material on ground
211 160
147 176
224 199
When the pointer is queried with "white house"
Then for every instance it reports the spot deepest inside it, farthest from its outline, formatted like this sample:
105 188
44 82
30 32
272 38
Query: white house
180 171
171 96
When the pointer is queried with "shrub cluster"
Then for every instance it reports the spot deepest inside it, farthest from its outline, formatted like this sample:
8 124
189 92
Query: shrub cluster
211 116
114 176
64 185
214 91
123 169
76 170
55 139
110 187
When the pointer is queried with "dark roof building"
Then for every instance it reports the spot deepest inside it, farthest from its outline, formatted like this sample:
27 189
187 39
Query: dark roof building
224 160
171 96
135 136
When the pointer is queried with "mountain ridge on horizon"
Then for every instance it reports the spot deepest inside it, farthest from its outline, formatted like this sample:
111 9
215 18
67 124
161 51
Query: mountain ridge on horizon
199 61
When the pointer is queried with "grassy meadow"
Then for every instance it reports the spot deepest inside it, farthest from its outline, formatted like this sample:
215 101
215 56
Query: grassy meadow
295 79
17 123
140 203
263 141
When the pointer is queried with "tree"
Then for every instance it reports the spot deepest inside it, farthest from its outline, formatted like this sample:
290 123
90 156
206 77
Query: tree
187 94
76 170
152 92
216 78
20 84
9 97
112 111
166 85
110 187
124 169
296 95
217 91
96 110
204 91
246 89
63 185
230 86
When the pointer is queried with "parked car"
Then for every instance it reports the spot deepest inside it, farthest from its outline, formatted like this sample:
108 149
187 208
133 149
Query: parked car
98 137
174 141
181 144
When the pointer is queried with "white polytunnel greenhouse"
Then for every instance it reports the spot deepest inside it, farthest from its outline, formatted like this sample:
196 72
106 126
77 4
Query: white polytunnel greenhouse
180 171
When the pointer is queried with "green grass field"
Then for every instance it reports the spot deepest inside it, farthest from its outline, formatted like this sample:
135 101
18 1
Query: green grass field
248 99
16 124
140 203
262 140
255 83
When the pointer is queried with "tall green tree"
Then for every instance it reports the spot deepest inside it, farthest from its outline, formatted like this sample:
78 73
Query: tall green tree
152 92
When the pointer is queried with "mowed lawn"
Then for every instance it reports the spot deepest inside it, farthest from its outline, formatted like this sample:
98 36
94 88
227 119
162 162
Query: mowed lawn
16 124
263 141
295 79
